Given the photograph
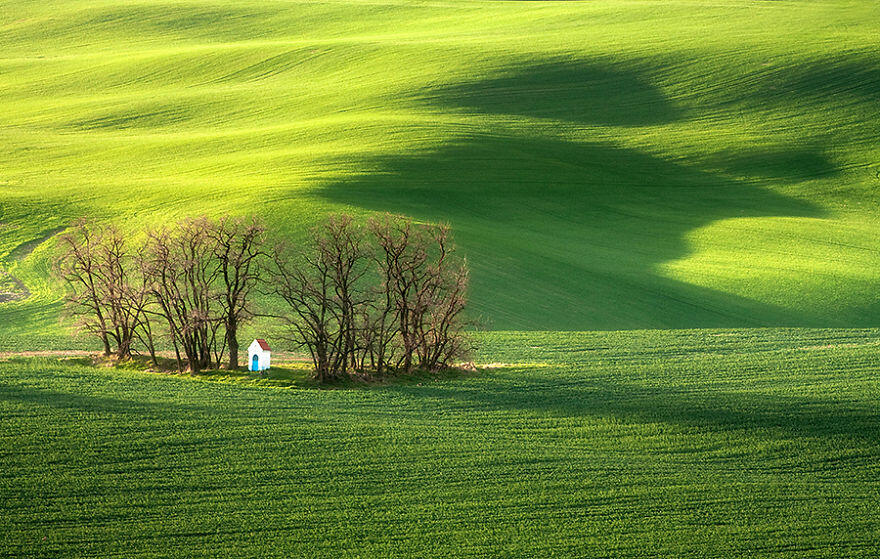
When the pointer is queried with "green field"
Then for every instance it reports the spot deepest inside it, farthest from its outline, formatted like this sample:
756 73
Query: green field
671 210
611 164
748 443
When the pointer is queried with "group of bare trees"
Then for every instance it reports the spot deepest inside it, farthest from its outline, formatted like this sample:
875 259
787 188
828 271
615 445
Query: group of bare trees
191 282
383 296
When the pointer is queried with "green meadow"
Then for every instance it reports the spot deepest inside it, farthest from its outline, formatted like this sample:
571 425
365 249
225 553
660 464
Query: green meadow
699 443
669 208
605 165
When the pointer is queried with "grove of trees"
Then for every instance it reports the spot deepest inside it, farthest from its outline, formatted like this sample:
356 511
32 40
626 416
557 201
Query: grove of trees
383 296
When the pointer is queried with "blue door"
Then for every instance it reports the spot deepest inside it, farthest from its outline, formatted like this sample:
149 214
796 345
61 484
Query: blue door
255 363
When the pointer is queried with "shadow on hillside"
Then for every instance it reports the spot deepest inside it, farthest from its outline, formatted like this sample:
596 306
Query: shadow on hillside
569 235
782 166
98 404
706 409
581 93
832 81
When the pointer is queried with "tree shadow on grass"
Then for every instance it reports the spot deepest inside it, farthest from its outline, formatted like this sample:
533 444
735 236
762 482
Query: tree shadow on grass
98 404
598 93
569 235
705 408
556 231
831 81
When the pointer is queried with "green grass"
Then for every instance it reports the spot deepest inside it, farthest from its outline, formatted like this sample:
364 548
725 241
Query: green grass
611 164
721 443
614 165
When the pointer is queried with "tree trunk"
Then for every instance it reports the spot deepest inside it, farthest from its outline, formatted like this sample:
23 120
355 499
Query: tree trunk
106 342
151 345
232 342
177 354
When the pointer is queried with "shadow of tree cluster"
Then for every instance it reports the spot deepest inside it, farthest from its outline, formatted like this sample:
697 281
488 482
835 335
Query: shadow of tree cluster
711 410
576 224
574 92
832 80
99 403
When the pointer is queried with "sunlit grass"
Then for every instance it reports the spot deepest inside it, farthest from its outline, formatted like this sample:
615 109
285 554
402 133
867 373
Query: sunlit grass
605 164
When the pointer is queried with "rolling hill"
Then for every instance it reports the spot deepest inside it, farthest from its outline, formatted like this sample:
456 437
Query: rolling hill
611 164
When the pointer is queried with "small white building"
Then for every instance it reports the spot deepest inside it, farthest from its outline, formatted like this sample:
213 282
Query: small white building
259 353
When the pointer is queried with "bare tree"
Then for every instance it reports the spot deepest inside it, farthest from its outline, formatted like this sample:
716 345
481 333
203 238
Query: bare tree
134 307
341 245
379 333
140 298
78 266
101 270
401 262
123 301
442 337
238 249
324 289
383 320
182 276
426 292
304 285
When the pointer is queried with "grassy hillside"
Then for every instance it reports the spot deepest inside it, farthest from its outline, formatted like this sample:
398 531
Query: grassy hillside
605 164
649 444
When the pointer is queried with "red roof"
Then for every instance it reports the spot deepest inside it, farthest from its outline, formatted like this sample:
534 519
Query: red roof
263 344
